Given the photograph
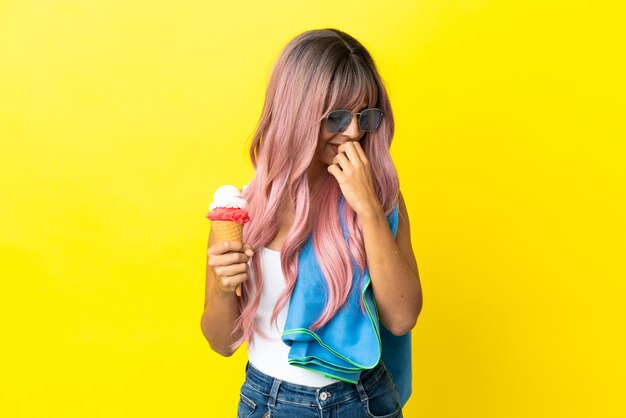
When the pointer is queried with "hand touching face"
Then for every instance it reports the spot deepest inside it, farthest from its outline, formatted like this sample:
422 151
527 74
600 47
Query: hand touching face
353 172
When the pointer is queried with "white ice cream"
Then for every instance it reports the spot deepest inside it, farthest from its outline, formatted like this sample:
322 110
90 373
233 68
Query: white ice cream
228 197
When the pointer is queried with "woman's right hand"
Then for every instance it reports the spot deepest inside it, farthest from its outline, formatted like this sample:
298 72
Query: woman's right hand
229 262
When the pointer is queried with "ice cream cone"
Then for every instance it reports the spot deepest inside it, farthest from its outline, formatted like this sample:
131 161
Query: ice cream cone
227 230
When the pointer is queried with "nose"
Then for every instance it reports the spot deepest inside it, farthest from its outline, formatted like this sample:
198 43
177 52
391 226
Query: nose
353 132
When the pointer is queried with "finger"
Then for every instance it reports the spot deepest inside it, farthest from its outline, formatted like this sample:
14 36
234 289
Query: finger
248 250
336 172
227 259
341 160
231 271
222 247
234 283
239 281
349 150
361 153
231 257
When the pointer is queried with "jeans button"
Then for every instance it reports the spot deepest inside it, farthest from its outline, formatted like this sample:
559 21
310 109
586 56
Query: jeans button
323 396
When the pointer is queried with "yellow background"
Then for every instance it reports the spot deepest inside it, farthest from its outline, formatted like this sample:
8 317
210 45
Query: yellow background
118 119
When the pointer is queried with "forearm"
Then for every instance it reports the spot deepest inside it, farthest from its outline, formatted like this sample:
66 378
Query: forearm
395 280
218 321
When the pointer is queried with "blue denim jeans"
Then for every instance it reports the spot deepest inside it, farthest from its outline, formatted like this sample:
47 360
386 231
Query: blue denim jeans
375 395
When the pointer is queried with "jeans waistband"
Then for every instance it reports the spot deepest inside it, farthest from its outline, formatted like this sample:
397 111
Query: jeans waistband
278 390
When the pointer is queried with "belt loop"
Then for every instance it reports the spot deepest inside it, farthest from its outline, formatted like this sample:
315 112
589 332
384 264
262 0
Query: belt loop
361 390
274 393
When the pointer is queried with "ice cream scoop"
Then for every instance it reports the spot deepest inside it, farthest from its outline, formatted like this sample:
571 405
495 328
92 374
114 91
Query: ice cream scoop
228 197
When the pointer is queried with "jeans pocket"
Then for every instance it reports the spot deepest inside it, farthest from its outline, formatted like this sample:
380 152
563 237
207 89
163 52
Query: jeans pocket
246 407
383 399
374 410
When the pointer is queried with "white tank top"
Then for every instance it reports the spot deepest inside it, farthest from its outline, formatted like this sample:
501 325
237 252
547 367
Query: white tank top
269 355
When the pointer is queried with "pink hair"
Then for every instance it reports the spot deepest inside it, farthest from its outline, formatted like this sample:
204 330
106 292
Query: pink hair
316 72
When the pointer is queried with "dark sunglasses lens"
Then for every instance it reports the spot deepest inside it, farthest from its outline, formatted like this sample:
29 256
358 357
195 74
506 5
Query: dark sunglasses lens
370 119
338 121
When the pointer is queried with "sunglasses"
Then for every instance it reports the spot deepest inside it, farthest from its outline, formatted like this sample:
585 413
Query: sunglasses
338 121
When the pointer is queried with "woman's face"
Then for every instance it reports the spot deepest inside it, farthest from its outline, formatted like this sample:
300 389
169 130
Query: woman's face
328 143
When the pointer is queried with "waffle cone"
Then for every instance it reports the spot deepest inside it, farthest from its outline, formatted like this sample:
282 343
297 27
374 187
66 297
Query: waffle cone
227 230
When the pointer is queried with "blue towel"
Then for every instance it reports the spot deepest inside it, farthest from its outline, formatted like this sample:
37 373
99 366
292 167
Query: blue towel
353 340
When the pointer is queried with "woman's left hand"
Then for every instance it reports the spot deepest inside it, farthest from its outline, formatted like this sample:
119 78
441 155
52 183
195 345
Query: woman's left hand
353 172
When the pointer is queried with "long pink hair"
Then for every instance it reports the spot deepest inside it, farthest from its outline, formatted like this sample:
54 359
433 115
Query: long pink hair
316 72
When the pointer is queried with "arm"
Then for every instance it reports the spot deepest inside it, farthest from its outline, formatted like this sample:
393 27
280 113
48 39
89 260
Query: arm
226 268
391 263
393 270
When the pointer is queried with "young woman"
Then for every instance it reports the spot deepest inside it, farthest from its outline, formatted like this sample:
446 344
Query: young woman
328 236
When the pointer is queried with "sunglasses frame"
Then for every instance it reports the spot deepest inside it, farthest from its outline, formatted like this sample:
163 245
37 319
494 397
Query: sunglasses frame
358 119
